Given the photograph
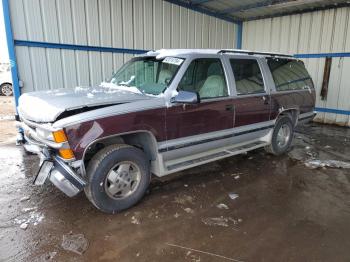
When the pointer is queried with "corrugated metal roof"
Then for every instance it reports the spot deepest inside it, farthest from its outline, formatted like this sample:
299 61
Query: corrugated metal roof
256 9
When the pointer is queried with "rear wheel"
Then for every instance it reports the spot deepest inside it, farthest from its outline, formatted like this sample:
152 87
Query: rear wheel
118 178
6 89
282 136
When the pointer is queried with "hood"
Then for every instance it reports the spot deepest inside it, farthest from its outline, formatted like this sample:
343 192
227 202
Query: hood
46 106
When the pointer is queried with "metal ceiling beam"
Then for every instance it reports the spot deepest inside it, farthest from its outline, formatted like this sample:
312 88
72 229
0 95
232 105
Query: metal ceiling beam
198 2
206 11
300 11
253 6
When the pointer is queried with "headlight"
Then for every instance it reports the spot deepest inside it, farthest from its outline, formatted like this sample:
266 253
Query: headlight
59 137
44 134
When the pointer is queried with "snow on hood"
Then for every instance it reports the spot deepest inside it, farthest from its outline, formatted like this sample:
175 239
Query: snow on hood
46 106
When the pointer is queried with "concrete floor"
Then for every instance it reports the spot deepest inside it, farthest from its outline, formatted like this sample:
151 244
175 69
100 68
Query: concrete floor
285 211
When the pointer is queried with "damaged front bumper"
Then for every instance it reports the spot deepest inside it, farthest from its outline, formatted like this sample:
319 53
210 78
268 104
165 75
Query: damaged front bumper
66 176
65 179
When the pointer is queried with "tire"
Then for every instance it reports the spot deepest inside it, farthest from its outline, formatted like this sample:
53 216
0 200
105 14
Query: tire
107 173
284 125
6 89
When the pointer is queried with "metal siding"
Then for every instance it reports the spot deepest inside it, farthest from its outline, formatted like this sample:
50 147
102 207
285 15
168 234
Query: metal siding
316 32
105 37
183 28
205 32
191 30
66 36
51 34
134 24
167 22
157 24
198 28
117 31
148 27
80 33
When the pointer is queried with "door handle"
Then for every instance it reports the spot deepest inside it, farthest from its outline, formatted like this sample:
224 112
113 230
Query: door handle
229 108
266 100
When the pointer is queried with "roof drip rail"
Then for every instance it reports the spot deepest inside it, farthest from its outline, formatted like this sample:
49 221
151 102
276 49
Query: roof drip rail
238 51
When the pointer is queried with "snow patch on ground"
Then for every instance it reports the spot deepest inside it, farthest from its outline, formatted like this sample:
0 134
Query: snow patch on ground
315 163
31 218
221 221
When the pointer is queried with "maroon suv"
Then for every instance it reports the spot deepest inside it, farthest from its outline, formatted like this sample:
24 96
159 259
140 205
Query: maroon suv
163 112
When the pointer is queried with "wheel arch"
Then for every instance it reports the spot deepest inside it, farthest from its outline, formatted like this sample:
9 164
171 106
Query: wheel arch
293 113
141 139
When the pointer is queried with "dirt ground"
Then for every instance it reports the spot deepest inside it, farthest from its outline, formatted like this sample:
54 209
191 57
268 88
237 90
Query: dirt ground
283 210
7 122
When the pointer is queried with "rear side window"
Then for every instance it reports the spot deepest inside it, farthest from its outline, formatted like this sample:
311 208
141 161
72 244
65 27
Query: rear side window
289 74
206 77
248 76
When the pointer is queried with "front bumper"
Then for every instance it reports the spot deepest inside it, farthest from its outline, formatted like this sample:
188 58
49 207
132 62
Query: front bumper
66 176
65 179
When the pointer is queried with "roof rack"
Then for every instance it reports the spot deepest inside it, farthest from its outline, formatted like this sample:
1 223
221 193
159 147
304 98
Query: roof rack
238 51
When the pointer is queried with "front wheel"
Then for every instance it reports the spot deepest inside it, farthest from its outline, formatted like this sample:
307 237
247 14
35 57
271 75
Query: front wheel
282 136
118 178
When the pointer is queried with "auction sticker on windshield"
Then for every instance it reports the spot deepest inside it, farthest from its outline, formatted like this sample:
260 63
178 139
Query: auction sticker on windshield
173 60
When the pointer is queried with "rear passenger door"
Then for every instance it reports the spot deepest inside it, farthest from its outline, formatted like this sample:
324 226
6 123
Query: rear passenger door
252 103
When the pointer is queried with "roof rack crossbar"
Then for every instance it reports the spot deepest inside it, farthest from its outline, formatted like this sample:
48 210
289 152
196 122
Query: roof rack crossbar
237 51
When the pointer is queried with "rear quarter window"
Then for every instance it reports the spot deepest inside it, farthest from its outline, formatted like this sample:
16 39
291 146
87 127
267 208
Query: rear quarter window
289 74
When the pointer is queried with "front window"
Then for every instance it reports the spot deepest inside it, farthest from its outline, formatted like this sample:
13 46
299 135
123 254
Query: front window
148 75
206 77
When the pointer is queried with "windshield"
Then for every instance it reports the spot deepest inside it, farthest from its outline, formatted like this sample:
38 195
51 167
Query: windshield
148 74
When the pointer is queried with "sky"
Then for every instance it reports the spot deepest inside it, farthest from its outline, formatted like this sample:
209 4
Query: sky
3 43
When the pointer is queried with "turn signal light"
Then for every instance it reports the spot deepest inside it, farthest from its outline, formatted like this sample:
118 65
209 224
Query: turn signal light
66 153
59 136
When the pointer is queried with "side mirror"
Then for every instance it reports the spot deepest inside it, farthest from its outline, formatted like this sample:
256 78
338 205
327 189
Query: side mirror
186 97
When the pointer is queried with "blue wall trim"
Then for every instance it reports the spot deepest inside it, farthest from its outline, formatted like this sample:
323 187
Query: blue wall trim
320 55
239 35
331 110
198 8
79 47
11 50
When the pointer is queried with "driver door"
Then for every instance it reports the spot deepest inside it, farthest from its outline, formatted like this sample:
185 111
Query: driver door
196 128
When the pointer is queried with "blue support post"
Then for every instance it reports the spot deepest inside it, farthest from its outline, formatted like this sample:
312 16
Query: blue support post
11 50
239 35
13 62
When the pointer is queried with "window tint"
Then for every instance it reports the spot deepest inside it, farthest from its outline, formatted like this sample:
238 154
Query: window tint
205 76
289 74
247 76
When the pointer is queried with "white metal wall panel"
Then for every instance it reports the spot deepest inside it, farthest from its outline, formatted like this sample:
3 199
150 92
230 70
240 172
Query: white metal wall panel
132 24
80 38
117 32
317 32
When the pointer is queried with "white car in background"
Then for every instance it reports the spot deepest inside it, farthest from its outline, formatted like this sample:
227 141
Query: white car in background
6 88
